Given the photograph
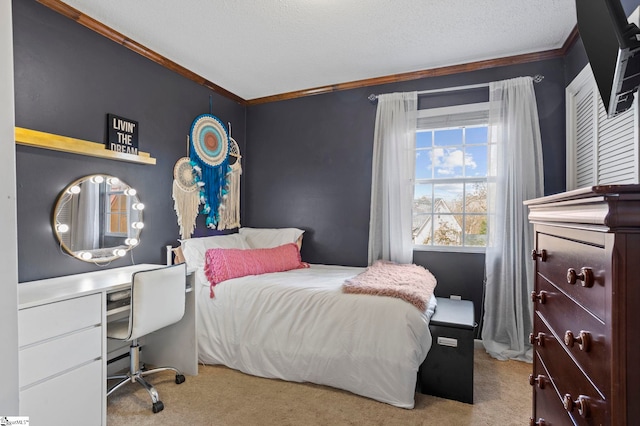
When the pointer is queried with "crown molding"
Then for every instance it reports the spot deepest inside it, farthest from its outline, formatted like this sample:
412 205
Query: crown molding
100 28
414 75
111 34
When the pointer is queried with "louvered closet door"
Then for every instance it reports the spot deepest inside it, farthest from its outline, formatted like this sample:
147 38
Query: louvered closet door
585 136
617 158
600 150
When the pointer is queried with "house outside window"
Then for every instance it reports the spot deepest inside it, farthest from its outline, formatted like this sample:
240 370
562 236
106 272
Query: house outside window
450 188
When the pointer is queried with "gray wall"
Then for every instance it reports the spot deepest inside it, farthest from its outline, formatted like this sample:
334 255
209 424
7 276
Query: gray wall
308 165
67 78
307 161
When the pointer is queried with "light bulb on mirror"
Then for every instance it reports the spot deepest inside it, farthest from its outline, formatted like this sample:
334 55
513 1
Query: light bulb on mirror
97 179
85 255
131 241
119 252
75 189
130 192
62 227
113 181
137 225
137 206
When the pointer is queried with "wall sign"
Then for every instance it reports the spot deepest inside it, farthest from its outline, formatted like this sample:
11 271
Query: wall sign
122 134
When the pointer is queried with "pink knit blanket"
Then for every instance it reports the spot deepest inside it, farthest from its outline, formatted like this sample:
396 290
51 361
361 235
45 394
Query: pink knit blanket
411 283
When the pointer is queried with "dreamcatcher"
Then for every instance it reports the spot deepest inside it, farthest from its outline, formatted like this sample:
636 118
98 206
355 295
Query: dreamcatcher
210 153
230 206
186 197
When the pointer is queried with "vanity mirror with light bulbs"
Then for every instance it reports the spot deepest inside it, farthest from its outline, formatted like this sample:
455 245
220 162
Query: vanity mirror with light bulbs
98 218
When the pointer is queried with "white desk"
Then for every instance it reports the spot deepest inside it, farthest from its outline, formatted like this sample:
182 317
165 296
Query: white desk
63 352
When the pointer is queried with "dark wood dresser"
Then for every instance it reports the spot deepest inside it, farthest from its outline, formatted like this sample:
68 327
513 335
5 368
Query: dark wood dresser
586 325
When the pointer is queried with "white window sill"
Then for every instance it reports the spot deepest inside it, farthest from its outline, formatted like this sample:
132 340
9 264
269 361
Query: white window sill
452 249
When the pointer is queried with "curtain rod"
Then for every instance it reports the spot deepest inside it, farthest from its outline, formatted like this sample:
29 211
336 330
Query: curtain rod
536 79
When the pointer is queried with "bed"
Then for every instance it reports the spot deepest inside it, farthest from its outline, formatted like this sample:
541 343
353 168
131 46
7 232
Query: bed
298 325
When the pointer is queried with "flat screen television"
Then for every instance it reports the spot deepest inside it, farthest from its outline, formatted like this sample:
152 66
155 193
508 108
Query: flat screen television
612 45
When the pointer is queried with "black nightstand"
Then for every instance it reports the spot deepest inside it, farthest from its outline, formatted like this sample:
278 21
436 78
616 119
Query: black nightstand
447 371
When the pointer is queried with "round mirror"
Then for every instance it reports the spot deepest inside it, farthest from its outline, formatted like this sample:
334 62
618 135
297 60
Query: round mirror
98 218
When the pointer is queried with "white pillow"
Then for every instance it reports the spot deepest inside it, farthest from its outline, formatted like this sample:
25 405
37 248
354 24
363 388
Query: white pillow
271 237
194 249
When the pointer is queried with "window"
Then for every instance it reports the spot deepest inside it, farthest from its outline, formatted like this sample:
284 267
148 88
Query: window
117 211
450 189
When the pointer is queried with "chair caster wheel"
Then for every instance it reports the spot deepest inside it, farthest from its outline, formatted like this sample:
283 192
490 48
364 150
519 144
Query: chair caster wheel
180 378
157 407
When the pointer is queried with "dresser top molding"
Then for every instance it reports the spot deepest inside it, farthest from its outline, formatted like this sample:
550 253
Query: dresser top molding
606 206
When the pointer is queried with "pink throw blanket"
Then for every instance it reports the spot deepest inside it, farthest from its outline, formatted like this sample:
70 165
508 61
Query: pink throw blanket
411 283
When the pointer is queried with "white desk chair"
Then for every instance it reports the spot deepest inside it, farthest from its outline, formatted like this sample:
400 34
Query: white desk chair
157 300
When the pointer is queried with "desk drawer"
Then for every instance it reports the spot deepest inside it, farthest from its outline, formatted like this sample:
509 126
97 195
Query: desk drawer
54 319
73 398
563 254
40 361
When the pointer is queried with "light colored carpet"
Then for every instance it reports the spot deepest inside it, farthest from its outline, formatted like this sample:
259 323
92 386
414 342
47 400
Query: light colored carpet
220 396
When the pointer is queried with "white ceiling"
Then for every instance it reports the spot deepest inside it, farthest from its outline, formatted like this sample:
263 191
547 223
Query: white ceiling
258 48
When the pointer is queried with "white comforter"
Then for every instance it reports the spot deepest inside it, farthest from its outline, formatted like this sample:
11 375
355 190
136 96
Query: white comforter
299 326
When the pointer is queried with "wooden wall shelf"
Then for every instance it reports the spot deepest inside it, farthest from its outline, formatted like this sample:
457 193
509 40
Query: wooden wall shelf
77 146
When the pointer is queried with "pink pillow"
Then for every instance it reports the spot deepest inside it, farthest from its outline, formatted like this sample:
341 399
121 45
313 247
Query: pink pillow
224 264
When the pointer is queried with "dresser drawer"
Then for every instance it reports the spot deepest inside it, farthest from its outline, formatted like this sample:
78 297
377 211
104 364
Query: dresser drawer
572 384
52 357
54 319
563 254
547 405
562 315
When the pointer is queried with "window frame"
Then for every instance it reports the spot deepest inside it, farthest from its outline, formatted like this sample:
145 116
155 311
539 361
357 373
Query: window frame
464 115
123 216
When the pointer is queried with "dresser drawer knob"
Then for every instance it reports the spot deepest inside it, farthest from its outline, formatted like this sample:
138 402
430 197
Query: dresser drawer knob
539 380
583 340
539 297
582 404
542 255
540 422
539 339
585 275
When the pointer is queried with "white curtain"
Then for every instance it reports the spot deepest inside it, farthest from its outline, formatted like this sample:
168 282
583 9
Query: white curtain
85 214
515 175
393 172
